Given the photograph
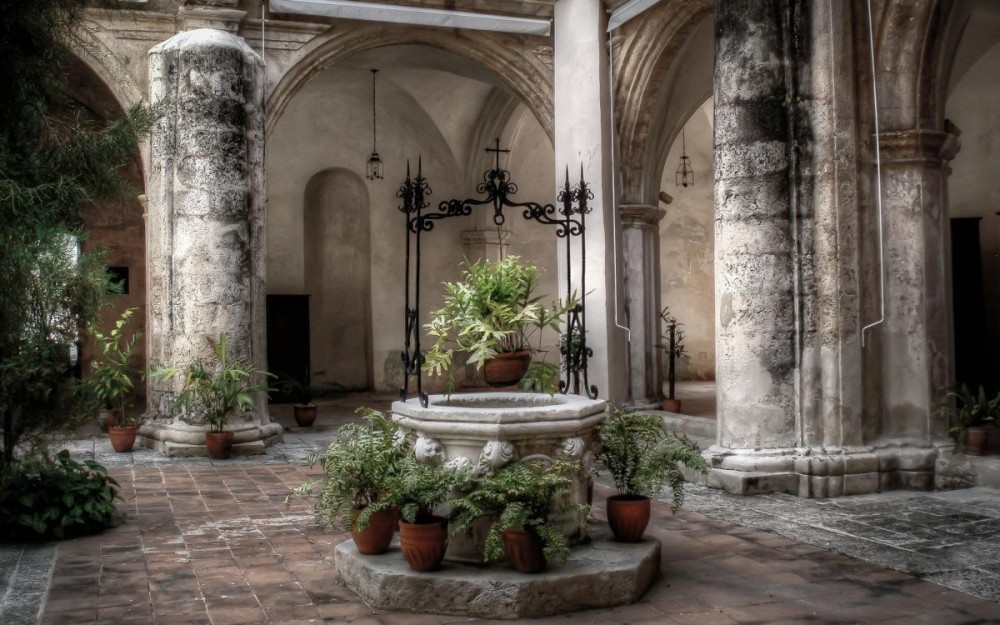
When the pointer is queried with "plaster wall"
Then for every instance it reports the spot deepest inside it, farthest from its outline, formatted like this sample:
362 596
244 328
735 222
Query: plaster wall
972 187
687 247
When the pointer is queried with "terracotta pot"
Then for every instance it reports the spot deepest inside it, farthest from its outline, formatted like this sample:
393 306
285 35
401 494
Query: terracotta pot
107 417
424 544
672 405
993 441
123 437
375 538
525 550
219 444
507 368
628 516
975 441
305 414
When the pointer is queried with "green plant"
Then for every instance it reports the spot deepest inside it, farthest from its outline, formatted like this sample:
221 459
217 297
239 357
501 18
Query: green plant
420 488
673 346
491 311
541 377
521 495
219 389
43 497
357 465
641 456
970 410
112 377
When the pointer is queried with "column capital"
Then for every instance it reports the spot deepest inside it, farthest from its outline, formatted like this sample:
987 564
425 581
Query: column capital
932 147
640 215
217 17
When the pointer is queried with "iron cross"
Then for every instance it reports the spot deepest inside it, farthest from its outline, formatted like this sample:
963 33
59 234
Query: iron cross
498 151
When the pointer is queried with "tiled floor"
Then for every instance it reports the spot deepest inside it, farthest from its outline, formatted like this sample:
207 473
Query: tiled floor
217 545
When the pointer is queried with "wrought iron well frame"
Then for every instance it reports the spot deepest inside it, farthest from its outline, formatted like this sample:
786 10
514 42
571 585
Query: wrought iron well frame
569 220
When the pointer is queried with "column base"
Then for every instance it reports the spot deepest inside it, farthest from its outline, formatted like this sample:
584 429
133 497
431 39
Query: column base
824 472
186 441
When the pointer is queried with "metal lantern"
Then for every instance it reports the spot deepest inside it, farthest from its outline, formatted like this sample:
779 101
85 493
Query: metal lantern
685 175
373 169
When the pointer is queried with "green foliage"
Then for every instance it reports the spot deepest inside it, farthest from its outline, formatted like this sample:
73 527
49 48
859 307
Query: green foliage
970 410
492 310
358 465
217 390
43 498
541 377
673 346
419 489
52 162
521 495
641 456
113 377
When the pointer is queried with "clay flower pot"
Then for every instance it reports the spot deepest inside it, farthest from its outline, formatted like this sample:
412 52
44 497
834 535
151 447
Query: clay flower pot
628 516
525 550
107 417
976 439
506 368
424 544
375 538
305 414
123 437
672 405
219 444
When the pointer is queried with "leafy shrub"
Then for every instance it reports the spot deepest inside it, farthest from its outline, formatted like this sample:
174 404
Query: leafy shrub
43 498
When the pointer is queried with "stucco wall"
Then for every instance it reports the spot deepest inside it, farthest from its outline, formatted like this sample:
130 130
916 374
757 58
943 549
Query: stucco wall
687 249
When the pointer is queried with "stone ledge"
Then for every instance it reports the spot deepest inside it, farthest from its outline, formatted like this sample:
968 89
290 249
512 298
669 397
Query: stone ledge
600 574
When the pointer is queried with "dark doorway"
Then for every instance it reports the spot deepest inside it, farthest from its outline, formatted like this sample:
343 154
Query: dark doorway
287 341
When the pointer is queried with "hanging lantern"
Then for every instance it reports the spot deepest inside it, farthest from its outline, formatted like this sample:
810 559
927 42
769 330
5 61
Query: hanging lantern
685 175
373 169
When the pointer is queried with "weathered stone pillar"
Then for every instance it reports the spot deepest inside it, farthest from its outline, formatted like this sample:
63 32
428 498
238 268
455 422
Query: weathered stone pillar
485 244
914 341
583 137
641 242
205 231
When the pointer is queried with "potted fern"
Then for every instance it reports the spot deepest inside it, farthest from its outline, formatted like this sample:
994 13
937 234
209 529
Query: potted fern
491 316
418 491
357 465
302 393
218 391
113 378
521 501
972 416
641 458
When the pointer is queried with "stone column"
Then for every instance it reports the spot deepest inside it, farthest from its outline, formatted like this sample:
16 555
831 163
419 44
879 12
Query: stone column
583 137
914 341
206 228
641 239
485 244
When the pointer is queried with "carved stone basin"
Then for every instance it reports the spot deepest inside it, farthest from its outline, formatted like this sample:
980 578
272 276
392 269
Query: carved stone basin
485 431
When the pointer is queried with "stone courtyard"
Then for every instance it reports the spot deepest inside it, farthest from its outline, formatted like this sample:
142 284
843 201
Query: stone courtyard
212 542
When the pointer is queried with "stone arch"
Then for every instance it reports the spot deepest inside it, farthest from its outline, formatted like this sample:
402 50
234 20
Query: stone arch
337 242
88 46
527 72
649 53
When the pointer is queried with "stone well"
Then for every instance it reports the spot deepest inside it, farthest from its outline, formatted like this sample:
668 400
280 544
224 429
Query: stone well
485 431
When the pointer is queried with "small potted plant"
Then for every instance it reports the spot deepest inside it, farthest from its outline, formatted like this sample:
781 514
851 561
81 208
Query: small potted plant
218 391
972 416
304 410
113 378
418 491
521 500
673 347
357 465
641 456
490 316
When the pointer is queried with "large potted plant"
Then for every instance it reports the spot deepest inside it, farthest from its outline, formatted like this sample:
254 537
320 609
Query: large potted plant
641 458
218 391
972 416
113 379
491 316
521 501
418 492
357 466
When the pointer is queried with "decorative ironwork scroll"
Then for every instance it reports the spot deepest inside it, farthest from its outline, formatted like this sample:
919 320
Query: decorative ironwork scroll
569 221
